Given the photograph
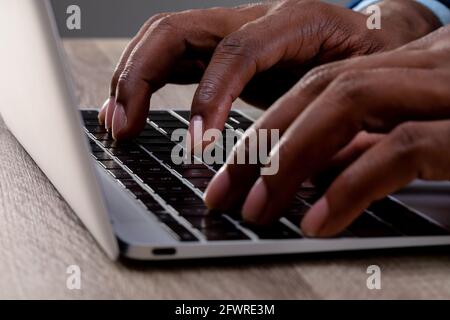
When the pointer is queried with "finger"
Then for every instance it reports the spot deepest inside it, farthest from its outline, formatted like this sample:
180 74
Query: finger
251 50
435 40
227 180
375 100
107 111
283 113
360 144
413 150
163 45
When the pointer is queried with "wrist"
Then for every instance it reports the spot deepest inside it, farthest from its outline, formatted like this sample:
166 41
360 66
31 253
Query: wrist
406 20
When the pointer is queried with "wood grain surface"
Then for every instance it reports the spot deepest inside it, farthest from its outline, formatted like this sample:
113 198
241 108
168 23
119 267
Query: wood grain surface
40 236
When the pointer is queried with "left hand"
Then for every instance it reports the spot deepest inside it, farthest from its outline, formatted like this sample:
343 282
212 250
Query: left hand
384 118
256 52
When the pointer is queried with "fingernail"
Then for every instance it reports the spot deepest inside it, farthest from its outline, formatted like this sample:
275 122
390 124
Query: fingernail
218 189
102 112
256 201
316 218
196 132
110 108
119 120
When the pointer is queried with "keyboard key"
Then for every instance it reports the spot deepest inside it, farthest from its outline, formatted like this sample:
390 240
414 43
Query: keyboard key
110 164
227 233
158 149
180 231
151 134
207 222
238 116
91 122
310 195
294 219
153 206
119 173
405 220
170 188
146 169
103 136
368 226
186 211
138 191
95 148
155 179
277 230
196 173
96 129
101 156
236 124
166 157
184 114
200 183
183 166
113 144
345 234
146 198
296 212
135 161
157 141
169 131
89 115
182 199
160 115
128 183
135 152
172 124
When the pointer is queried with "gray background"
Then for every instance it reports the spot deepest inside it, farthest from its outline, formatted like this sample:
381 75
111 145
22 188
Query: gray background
122 18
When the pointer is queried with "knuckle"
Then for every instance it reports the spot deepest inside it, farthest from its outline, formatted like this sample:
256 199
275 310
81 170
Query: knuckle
316 72
348 83
122 84
155 18
124 79
126 73
316 79
407 140
347 88
236 45
166 24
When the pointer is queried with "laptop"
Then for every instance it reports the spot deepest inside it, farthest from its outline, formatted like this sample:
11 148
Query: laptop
135 201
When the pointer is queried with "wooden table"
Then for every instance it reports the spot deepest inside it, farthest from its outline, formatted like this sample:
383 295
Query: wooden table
40 236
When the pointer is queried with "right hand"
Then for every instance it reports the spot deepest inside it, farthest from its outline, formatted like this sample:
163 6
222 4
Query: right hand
374 123
257 52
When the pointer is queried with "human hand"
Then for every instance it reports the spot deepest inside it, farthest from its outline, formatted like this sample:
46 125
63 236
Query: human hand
383 119
256 52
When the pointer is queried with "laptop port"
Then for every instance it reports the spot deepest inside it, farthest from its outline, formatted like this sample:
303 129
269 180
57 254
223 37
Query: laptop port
164 251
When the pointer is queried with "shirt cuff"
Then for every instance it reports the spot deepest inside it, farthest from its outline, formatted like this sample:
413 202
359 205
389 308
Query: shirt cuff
438 9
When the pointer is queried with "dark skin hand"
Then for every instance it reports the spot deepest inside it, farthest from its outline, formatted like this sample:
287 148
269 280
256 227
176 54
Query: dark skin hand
382 120
256 52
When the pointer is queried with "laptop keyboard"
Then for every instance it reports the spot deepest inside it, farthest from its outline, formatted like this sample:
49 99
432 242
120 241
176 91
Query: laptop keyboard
173 193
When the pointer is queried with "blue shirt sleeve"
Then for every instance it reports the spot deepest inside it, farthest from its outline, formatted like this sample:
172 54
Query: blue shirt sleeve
353 3
440 8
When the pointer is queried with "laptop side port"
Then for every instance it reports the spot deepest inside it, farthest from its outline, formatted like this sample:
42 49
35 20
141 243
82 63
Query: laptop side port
164 251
